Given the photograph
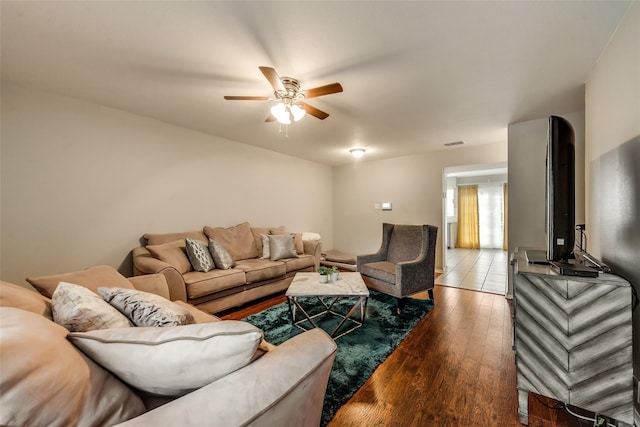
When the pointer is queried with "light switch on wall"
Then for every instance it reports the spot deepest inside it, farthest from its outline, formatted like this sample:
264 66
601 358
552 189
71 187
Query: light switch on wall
386 206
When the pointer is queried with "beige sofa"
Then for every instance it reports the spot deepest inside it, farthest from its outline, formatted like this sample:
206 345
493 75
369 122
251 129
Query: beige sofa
251 278
46 380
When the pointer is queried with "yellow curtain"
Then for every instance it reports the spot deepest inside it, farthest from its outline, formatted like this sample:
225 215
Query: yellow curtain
505 211
468 225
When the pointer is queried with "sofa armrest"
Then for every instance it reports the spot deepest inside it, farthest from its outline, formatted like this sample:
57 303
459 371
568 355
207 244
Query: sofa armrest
313 247
154 283
144 263
285 387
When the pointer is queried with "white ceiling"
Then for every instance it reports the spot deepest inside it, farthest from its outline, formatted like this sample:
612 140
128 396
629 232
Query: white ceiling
415 74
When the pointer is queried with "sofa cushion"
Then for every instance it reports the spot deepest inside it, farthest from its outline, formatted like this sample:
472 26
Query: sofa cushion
26 299
198 315
199 255
302 262
173 253
238 240
46 381
92 278
383 270
282 246
159 239
201 284
79 310
221 257
146 309
257 270
172 361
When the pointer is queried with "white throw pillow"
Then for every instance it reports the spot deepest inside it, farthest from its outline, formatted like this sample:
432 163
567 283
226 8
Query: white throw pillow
172 361
79 309
145 308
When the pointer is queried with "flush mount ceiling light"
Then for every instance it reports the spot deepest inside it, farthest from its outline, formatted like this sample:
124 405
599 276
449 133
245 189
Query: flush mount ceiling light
357 152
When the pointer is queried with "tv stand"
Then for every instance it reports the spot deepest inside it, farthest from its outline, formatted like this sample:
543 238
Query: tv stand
573 339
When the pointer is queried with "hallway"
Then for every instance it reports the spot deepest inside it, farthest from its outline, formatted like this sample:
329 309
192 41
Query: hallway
482 270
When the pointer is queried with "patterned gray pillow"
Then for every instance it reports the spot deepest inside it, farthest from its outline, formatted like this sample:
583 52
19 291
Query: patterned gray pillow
282 246
199 255
222 259
145 308
79 310
266 254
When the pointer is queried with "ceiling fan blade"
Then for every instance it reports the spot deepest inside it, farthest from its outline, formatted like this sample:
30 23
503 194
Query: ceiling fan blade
246 98
314 111
272 75
270 118
322 90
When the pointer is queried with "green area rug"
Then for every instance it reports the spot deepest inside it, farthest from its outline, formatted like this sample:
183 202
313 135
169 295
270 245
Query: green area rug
359 352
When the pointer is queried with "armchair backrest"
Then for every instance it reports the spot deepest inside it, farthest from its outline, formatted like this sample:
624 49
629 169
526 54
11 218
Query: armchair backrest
405 243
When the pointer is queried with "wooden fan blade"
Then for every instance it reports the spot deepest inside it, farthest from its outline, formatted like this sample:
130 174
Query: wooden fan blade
322 90
314 111
272 75
270 118
246 98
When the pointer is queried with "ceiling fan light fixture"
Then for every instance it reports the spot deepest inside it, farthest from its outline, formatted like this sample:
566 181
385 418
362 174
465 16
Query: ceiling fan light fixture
297 112
357 152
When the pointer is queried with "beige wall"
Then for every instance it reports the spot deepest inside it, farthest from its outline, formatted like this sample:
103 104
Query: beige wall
81 183
613 158
412 183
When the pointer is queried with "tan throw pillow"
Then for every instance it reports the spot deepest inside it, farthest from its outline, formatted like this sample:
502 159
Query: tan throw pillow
298 239
91 278
173 253
172 361
282 246
199 255
238 240
146 309
222 259
79 310
46 381
27 299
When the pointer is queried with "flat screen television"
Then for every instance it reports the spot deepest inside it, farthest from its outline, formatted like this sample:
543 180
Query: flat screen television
560 190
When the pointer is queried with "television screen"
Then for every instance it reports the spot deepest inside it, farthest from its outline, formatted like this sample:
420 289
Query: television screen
560 190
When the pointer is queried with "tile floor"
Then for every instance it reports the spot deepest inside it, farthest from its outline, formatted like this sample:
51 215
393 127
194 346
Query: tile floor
482 270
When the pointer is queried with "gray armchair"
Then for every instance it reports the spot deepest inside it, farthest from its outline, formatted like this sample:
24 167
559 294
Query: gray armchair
405 262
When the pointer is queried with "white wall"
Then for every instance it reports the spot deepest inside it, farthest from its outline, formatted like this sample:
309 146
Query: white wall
81 183
613 157
412 183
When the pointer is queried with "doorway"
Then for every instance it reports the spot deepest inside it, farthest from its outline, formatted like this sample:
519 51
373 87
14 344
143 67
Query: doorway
481 265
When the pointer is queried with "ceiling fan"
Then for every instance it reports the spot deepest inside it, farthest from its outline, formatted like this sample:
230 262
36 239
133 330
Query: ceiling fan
286 92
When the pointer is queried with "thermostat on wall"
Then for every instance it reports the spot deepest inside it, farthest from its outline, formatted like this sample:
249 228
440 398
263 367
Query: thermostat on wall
386 206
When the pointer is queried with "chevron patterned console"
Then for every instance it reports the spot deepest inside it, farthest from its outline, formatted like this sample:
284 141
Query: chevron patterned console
573 340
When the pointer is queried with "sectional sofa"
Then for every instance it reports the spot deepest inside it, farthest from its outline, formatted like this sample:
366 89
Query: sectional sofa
206 372
255 271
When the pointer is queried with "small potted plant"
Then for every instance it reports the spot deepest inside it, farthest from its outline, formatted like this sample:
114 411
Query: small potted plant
334 273
324 273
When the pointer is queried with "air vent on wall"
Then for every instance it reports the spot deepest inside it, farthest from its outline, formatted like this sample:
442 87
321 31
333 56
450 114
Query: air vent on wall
451 144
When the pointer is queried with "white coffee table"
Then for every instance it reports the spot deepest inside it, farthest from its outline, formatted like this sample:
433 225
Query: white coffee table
308 286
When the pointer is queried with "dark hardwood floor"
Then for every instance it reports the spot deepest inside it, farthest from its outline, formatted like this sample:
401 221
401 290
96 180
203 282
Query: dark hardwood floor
456 368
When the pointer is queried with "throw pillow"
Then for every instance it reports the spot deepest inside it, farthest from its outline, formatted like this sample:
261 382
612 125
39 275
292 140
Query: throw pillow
173 253
146 309
79 310
172 361
266 254
46 381
221 258
298 238
282 246
199 255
